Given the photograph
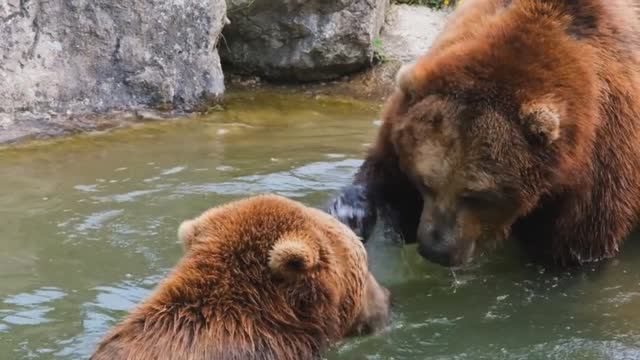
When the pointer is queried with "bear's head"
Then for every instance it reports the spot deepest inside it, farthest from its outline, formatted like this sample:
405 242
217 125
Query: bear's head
487 127
278 277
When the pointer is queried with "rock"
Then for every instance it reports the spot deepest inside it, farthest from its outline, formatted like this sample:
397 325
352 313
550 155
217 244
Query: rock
85 56
301 40
409 31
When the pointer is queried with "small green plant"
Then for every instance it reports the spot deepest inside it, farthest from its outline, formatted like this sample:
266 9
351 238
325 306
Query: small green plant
378 51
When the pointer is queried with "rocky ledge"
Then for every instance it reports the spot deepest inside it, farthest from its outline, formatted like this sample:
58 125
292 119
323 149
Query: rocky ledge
74 65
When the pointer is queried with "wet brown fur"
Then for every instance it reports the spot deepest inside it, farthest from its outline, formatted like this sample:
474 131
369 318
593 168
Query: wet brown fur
262 278
544 97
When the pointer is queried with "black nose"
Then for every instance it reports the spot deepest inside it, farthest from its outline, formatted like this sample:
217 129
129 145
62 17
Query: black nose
439 257
431 236
435 236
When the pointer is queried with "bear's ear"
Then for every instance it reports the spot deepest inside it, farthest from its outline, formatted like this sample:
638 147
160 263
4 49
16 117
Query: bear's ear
542 121
187 233
293 256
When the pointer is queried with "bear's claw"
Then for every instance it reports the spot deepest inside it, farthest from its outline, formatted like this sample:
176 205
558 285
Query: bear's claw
353 208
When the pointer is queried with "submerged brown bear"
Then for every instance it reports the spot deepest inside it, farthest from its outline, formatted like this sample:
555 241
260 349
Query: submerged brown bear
523 119
262 278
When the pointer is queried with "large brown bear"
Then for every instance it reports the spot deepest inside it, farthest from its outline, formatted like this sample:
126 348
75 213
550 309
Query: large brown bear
522 119
262 278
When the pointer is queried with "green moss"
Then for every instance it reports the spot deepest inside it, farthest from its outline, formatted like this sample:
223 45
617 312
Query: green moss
379 55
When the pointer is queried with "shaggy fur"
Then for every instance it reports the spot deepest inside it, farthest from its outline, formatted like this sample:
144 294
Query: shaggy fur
262 278
523 119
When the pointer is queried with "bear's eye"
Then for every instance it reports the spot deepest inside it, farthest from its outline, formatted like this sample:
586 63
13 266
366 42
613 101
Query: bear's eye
477 199
426 189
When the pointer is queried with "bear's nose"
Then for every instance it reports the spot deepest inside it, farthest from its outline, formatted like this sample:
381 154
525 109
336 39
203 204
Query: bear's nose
435 236
443 258
431 236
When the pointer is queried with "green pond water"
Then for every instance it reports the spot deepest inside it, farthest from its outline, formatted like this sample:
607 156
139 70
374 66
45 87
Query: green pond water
88 228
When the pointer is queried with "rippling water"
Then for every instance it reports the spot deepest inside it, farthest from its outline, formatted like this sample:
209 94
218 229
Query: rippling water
88 228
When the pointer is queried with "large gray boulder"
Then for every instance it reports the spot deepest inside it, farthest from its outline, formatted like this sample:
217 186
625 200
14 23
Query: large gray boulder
410 30
78 56
301 40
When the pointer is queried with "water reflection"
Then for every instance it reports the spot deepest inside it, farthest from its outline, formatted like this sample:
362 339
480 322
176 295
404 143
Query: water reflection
297 182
